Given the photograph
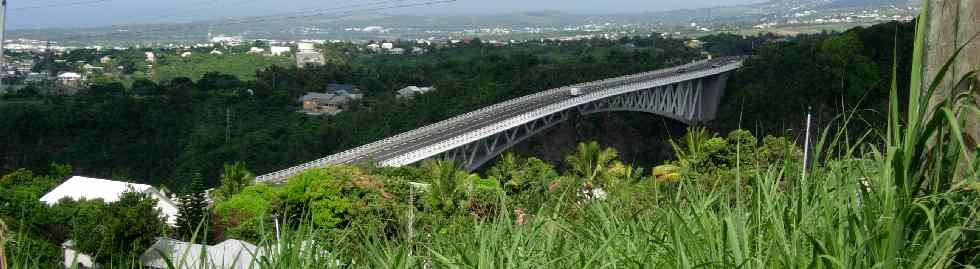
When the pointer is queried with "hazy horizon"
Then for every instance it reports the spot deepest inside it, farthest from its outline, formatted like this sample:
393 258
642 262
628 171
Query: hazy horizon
88 13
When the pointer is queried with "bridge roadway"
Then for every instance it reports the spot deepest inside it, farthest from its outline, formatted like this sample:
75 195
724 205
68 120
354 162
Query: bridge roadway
420 138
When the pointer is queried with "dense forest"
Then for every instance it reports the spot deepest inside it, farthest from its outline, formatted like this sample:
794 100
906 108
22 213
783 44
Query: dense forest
734 193
162 133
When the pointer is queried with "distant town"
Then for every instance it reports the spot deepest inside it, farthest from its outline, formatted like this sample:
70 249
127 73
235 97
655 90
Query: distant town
33 61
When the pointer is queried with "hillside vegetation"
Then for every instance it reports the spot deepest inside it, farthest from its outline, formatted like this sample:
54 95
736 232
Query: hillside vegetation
900 192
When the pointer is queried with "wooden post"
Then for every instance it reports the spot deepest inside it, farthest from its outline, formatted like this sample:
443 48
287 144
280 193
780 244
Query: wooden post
951 24
3 244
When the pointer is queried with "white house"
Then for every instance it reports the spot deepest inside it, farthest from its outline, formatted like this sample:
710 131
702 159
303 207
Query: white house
186 54
216 52
75 259
105 59
256 50
279 51
91 68
228 40
387 45
150 57
306 47
230 254
78 188
70 78
411 91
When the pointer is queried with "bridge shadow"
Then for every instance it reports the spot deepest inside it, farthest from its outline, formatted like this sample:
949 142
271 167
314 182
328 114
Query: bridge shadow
640 138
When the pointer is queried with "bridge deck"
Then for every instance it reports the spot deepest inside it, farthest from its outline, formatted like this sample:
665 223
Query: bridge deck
420 138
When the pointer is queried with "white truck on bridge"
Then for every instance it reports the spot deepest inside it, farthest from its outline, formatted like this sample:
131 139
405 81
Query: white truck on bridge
575 91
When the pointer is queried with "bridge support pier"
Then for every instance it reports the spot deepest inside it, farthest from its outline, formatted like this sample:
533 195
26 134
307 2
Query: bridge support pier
711 94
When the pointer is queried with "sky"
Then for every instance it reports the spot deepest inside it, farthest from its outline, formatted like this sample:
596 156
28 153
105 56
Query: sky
31 14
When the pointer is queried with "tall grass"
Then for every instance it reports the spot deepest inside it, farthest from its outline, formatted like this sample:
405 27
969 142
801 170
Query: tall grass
900 203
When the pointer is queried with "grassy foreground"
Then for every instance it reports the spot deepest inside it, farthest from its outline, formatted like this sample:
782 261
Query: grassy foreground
902 198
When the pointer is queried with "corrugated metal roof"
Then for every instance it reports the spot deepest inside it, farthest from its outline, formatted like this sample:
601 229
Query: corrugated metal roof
227 255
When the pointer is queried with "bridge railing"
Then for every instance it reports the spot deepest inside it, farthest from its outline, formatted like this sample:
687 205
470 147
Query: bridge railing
351 154
538 113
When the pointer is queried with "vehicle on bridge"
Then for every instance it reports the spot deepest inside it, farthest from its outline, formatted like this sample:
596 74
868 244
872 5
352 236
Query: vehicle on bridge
688 93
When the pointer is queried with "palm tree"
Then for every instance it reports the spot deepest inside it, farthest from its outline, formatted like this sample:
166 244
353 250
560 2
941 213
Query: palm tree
592 164
449 183
234 179
507 172
691 146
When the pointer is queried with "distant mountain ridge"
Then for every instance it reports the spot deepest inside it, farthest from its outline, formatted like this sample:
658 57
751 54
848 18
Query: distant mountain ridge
798 5
394 26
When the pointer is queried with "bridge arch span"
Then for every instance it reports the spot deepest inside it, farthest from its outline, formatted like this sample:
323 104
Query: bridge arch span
689 93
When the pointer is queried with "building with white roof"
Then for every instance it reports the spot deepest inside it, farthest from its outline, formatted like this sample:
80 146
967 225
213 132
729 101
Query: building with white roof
411 91
256 50
279 51
70 79
228 40
306 47
77 188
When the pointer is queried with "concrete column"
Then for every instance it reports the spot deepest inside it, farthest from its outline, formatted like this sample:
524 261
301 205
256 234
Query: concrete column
711 94
951 24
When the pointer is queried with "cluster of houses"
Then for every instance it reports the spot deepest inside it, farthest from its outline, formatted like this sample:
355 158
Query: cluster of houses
227 254
331 102
338 97
389 48
273 51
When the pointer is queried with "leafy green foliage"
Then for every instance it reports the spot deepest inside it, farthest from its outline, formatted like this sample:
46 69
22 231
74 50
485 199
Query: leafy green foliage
525 180
234 179
196 124
242 215
834 74
594 165
907 203
117 232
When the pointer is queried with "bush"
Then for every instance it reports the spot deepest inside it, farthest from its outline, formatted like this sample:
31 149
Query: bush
243 215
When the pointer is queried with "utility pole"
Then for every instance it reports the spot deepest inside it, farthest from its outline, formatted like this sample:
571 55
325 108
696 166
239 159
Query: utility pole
3 30
806 143
227 125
